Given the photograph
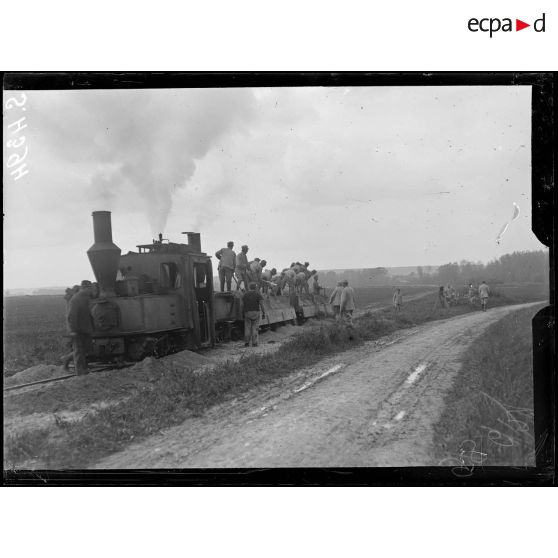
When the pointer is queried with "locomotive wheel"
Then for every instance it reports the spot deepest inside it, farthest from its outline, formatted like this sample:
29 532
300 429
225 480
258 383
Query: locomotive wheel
161 347
236 333
138 349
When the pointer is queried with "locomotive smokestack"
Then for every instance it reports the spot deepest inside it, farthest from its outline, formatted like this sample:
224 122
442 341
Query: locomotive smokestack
194 240
104 255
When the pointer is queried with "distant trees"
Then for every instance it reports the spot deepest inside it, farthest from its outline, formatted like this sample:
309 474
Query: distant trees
518 267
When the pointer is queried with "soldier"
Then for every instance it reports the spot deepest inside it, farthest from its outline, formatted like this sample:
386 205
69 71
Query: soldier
301 282
397 300
347 306
442 297
289 278
80 326
484 291
267 277
227 265
276 281
450 295
252 306
255 271
335 299
315 287
70 292
471 294
241 270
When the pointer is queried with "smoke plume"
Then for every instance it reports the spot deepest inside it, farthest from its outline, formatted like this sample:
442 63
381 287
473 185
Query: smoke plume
140 146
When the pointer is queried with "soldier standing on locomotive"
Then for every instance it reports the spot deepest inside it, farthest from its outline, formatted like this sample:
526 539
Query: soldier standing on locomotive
227 265
241 271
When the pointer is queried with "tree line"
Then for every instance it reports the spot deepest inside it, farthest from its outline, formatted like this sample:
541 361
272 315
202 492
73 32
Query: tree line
517 267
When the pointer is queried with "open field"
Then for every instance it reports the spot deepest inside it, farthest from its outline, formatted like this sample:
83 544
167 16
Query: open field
366 296
34 329
524 292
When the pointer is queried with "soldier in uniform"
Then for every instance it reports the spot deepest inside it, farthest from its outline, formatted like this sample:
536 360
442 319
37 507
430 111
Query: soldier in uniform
70 292
335 299
241 270
472 292
301 282
315 287
254 310
484 291
347 305
227 265
255 271
80 326
289 278
267 276
397 300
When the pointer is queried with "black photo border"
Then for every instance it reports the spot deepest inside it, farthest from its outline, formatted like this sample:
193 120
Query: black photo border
543 149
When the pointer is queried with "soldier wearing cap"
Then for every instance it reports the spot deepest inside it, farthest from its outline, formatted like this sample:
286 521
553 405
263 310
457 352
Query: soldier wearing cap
80 326
252 302
241 270
347 304
227 265
255 269
70 292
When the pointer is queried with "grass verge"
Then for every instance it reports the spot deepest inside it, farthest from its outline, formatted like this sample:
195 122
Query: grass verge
179 394
488 418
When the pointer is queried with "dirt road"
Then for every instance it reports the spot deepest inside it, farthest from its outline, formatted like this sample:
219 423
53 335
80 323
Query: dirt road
372 406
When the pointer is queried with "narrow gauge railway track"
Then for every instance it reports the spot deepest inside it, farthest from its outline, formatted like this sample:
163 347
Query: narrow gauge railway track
93 369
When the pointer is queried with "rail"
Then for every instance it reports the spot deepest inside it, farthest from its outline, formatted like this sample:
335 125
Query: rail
66 377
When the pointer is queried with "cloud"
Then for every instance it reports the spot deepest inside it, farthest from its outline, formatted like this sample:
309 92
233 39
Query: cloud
141 143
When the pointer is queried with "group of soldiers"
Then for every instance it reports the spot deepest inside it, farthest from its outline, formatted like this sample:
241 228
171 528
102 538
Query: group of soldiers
295 278
449 296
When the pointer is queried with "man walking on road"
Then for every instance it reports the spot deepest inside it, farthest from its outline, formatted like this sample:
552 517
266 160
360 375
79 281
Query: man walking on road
335 299
442 297
471 294
80 326
347 303
227 264
253 308
484 291
397 300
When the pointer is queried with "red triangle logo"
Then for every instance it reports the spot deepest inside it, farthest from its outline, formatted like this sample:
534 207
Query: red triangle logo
519 25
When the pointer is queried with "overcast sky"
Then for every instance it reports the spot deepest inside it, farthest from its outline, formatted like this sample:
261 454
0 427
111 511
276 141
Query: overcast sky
341 177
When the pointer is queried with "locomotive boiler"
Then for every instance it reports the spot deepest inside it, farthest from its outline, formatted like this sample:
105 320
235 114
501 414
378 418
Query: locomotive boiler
159 299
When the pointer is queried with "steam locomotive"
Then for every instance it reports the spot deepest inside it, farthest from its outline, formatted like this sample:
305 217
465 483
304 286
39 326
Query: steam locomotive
160 299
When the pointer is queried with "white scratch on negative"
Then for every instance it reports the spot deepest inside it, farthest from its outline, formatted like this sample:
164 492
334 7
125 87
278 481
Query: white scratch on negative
415 374
320 377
